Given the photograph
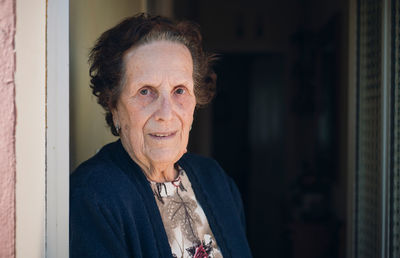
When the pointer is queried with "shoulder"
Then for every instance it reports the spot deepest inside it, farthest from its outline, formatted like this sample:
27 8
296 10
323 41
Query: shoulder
203 164
207 171
210 174
100 177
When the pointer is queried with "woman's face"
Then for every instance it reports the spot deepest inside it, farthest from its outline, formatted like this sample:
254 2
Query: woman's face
156 105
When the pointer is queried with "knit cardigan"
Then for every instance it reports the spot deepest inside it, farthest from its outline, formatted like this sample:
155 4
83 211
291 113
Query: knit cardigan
113 212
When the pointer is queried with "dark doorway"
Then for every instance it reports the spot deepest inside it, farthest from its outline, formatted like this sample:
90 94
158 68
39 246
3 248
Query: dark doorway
277 124
248 139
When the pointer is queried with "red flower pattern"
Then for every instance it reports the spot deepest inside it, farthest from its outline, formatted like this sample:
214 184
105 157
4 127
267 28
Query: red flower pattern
200 252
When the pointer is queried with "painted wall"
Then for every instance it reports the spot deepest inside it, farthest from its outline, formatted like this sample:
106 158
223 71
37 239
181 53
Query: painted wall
30 97
7 129
88 19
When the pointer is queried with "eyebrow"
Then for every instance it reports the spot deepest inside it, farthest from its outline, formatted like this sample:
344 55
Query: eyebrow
145 82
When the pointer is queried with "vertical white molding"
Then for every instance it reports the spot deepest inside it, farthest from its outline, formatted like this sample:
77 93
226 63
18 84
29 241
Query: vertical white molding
30 80
57 222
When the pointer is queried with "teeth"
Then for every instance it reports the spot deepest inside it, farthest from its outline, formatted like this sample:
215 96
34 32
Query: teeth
162 135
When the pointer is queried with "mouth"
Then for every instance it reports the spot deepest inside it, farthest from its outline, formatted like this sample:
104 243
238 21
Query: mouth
162 135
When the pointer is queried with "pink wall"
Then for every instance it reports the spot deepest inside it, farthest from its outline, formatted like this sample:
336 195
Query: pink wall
7 129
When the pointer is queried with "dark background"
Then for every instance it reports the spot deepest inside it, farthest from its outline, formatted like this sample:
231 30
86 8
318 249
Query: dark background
278 122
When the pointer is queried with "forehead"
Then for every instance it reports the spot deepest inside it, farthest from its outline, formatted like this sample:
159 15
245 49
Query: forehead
158 59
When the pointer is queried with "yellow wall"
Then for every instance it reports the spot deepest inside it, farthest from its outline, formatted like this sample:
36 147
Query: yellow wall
88 19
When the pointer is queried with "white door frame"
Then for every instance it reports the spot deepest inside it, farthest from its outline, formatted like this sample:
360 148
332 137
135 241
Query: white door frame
57 130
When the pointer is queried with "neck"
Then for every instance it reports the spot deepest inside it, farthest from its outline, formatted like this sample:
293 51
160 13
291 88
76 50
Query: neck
156 172
161 174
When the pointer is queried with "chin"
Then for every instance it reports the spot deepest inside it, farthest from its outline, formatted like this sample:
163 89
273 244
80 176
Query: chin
165 156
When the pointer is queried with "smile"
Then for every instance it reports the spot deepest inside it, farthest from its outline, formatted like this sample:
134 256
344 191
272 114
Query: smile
159 135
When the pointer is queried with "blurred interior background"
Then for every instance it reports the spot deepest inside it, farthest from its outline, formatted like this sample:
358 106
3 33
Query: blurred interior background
279 122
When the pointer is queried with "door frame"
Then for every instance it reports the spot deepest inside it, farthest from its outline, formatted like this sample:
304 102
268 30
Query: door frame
57 129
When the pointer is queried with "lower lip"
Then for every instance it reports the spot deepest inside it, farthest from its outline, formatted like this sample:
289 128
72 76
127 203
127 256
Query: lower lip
162 137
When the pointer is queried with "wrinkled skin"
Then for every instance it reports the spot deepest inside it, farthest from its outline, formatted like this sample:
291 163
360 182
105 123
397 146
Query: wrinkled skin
156 106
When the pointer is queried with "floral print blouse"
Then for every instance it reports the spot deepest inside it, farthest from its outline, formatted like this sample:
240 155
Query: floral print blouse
185 223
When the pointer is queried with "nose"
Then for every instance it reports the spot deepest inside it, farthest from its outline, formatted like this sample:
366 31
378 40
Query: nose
165 108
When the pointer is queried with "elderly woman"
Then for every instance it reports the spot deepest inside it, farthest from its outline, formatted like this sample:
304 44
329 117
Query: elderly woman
144 195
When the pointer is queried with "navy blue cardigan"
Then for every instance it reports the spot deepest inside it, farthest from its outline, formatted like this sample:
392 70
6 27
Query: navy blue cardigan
113 212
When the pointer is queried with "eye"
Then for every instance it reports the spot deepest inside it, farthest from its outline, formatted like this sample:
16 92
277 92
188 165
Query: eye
144 91
180 91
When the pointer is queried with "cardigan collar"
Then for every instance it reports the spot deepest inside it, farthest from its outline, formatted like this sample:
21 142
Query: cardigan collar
137 176
134 172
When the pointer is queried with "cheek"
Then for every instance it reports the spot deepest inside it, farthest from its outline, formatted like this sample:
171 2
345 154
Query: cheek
188 121
187 111
131 120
